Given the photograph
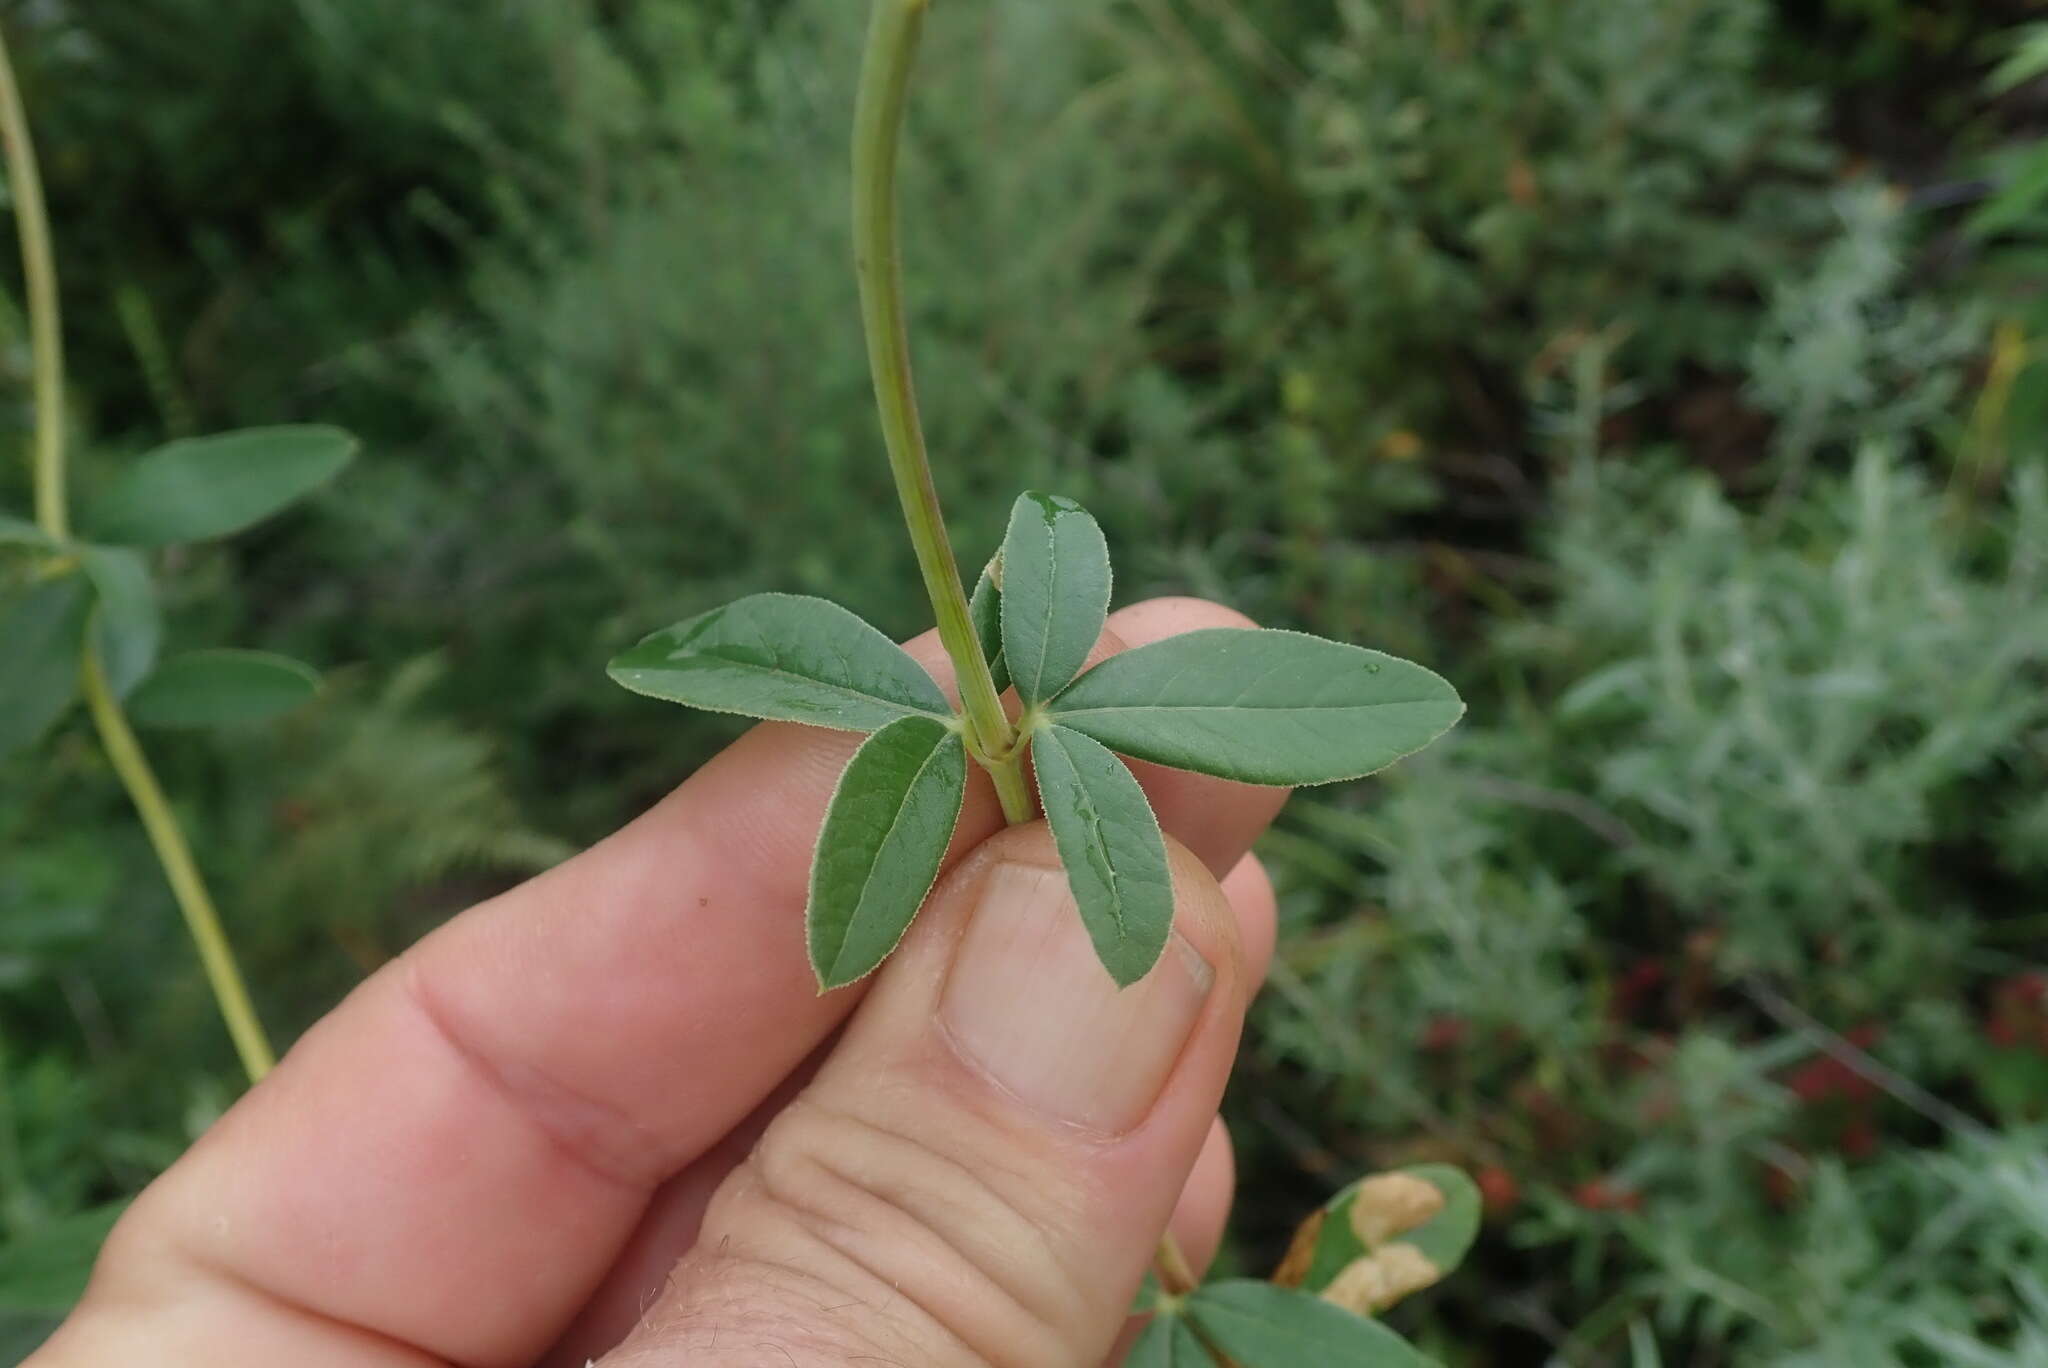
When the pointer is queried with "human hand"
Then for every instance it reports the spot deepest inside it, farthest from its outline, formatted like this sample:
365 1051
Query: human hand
607 1113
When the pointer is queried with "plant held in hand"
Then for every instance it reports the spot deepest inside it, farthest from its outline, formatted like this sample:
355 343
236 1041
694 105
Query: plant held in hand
1260 707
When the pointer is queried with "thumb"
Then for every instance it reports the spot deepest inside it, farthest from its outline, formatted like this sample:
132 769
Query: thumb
982 1168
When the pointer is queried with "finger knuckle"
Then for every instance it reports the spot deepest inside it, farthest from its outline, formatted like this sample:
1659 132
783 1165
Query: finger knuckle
945 1251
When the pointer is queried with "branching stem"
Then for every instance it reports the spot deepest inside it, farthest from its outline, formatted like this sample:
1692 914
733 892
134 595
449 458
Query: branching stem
39 269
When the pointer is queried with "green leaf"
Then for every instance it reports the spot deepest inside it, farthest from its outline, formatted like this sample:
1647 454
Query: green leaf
46 1270
42 632
127 628
986 610
203 487
21 532
786 658
1263 1326
1109 841
885 834
219 688
1055 592
2016 202
1168 1343
1262 707
2028 59
1412 1225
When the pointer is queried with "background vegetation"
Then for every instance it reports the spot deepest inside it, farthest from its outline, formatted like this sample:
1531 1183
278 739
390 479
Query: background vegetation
1670 374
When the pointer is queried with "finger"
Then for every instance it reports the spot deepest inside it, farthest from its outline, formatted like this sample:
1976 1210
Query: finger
983 1167
493 1111
670 1226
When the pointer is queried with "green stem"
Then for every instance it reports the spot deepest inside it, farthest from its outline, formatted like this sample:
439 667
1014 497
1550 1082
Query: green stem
893 34
39 268
180 869
877 127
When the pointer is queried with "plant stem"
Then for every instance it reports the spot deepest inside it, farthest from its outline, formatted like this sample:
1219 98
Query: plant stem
893 34
877 126
39 269
180 869
123 750
1176 1276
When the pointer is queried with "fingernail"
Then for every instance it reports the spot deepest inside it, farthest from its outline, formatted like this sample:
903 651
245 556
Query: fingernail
1028 1001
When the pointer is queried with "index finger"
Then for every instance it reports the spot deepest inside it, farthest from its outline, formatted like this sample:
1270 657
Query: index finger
451 1160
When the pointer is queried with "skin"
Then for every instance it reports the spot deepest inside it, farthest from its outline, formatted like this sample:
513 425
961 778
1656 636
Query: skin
587 1119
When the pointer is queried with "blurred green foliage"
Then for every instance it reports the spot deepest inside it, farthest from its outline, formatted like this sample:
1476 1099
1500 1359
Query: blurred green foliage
1616 360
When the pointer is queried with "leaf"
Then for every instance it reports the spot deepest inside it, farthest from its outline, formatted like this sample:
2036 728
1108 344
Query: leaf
1263 1326
1385 1236
2028 59
786 658
1055 592
21 532
42 631
1109 841
986 611
219 688
885 834
1262 707
2016 202
1168 1343
204 487
126 628
46 1269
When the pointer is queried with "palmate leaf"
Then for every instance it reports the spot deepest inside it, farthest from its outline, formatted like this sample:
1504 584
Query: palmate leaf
784 658
1262 1326
885 834
1168 1342
1110 844
204 487
1055 593
42 631
1260 706
220 688
127 629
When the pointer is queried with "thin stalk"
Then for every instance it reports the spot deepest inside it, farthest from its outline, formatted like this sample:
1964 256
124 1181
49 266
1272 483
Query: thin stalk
180 869
877 126
45 329
1176 1276
893 34
39 268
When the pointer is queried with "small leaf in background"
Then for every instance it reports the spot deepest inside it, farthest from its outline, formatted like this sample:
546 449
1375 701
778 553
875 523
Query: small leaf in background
46 1269
219 688
784 658
1108 838
986 610
42 632
21 532
1384 1237
1261 707
1168 1343
1055 592
1262 1326
126 627
885 834
203 487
